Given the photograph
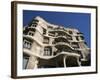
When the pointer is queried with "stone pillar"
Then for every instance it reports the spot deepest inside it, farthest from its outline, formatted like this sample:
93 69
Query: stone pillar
33 63
79 63
64 60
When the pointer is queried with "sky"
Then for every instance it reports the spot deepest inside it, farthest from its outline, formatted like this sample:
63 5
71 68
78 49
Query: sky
80 21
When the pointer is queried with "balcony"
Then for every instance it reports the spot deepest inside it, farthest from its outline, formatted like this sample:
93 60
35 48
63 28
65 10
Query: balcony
27 29
61 39
62 43
75 45
33 22
63 30
61 36
61 46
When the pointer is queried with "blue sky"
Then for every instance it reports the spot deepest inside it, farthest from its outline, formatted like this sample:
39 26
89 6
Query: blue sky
80 21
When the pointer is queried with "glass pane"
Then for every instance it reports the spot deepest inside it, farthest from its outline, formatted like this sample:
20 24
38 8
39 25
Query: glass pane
25 61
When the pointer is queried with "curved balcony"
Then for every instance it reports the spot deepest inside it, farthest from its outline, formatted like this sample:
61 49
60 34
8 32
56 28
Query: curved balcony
77 41
28 37
62 43
61 39
33 24
66 32
27 29
27 51
79 33
84 49
60 60
32 38
60 30
51 34
64 47
60 36
30 28
30 53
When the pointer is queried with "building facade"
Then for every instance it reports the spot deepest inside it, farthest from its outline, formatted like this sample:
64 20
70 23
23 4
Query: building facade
47 45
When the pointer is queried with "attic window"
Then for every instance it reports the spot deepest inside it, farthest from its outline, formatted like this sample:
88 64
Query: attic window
31 33
34 25
70 32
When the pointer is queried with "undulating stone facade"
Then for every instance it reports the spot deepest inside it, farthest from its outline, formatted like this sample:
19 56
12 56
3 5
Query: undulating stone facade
46 45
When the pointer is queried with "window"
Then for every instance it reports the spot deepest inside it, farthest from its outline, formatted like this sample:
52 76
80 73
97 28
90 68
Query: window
25 61
77 38
47 51
34 25
53 42
44 31
61 39
69 37
31 33
85 43
82 38
27 44
75 45
34 21
70 32
46 40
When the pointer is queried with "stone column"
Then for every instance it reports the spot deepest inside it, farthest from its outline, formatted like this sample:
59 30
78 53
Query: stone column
64 60
33 63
